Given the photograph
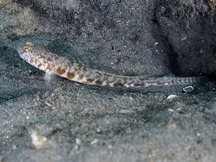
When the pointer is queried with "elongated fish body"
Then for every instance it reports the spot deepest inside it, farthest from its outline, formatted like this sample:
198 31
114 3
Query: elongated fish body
75 71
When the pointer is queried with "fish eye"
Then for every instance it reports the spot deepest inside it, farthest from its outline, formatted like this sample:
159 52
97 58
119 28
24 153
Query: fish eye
26 49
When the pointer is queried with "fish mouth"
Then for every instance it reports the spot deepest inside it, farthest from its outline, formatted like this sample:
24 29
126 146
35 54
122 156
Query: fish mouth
20 51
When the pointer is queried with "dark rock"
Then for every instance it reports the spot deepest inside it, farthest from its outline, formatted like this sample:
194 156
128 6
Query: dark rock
190 36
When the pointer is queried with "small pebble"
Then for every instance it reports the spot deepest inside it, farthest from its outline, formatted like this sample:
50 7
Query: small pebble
170 97
94 141
188 89
78 141
124 111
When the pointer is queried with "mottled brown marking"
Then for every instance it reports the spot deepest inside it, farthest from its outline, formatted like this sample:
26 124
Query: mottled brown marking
87 76
160 83
183 80
115 84
63 71
75 69
48 67
31 60
107 76
39 65
136 84
42 56
98 73
60 71
132 80
118 84
89 80
52 64
172 82
55 57
65 67
124 80
70 75
69 65
121 85
98 82
35 62
49 59
80 77
107 83
44 62
84 69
